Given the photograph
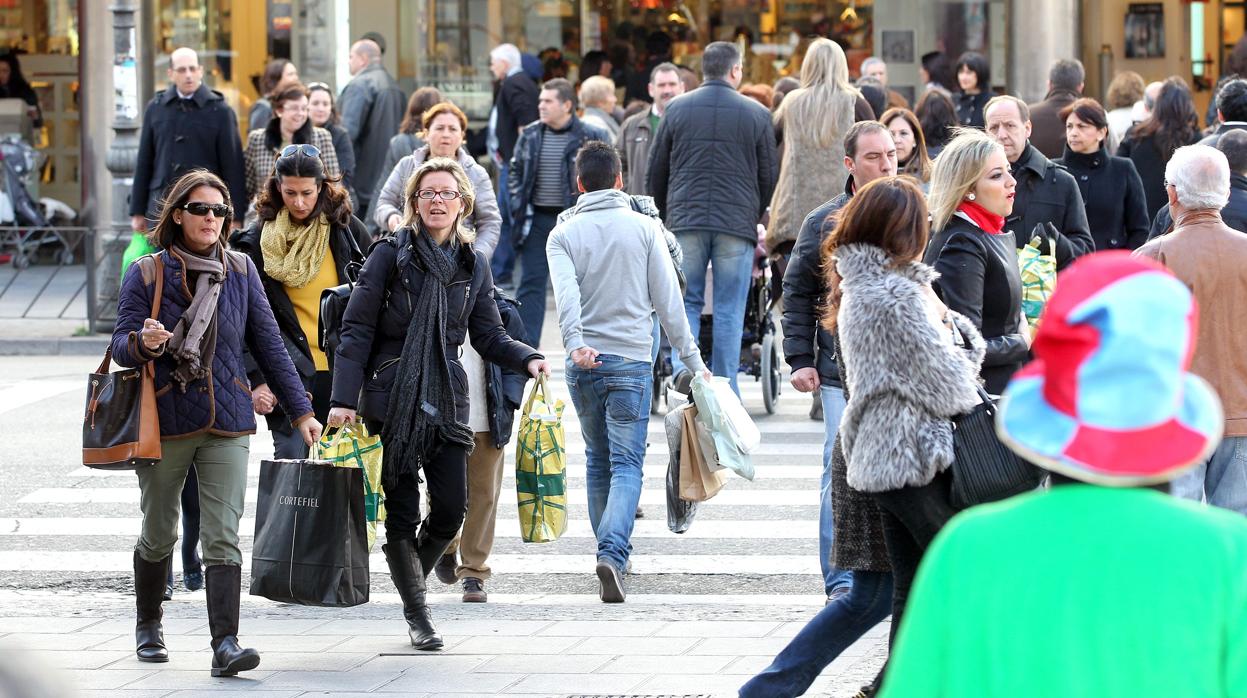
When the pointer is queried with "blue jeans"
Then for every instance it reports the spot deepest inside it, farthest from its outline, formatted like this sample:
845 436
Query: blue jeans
833 408
732 259
535 276
612 402
503 260
1222 480
841 623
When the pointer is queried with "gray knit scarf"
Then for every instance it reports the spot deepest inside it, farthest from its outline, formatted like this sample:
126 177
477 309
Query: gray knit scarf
421 415
193 344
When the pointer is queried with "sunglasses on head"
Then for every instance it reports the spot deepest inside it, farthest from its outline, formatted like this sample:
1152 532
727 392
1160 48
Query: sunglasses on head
199 208
319 86
306 148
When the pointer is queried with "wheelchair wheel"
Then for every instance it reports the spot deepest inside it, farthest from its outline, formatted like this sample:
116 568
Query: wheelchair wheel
771 374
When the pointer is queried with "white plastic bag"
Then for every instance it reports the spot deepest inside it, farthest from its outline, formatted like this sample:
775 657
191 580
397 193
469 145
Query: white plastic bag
734 434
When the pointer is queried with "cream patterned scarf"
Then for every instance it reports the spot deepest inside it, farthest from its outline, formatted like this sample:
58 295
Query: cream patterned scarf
293 253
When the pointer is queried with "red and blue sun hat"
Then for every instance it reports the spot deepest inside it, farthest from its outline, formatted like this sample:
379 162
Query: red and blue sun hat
1109 398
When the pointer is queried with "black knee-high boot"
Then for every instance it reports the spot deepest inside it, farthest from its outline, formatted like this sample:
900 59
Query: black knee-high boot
408 576
149 589
224 589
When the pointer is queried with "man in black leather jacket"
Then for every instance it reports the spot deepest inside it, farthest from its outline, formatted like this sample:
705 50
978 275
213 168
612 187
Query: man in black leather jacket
809 350
1046 192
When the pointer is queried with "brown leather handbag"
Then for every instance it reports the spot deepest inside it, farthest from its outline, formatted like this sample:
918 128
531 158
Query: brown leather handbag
121 429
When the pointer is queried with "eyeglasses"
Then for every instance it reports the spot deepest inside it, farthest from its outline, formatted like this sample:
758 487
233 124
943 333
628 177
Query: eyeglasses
199 208
448 195
306 148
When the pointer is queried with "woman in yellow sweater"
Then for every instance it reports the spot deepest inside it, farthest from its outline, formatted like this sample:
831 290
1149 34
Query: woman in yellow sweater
301 243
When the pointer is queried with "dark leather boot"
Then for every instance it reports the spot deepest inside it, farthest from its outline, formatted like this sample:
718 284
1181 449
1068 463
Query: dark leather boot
149 588
224 588
429 549
408 578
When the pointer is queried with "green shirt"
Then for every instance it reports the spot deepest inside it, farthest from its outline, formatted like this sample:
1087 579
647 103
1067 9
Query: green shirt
1079 591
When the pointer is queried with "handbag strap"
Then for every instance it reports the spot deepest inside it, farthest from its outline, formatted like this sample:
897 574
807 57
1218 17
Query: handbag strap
156 298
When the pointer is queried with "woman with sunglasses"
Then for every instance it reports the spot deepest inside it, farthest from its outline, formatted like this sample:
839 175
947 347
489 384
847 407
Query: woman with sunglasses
290 125
324 114
212 304
423 292
445 127
301 245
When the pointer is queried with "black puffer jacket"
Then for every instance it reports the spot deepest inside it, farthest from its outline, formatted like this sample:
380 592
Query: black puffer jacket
1113 196
712 167
247 241
1234 214
979 278
970 108
374 326
1046 193
806 344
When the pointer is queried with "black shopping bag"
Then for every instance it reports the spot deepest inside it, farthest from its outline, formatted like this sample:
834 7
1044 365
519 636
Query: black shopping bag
311 534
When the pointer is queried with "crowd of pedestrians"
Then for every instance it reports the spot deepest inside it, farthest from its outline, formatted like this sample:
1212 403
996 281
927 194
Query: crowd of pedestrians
898 233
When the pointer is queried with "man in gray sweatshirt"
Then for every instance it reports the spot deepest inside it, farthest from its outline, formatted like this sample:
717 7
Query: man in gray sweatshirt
611 272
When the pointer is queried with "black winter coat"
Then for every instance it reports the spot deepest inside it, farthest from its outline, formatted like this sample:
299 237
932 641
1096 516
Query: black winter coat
970 108
1113 196
517 106
1234 214
522 174
712 167
247 241
346 158
504 388
1147 159
180 135
979 278
1046 193
1211 139
374 326
806 343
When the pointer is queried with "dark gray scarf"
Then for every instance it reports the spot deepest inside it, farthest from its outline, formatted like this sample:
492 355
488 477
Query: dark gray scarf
193 344
421 414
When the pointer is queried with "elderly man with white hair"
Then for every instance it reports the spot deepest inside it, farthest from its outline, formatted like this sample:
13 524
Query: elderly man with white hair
372 106
875 67
597 97
1211 258
515 106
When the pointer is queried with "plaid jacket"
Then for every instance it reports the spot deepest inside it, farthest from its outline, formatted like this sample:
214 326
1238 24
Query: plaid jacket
264 147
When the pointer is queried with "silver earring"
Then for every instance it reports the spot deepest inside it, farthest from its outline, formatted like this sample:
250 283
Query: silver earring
970 196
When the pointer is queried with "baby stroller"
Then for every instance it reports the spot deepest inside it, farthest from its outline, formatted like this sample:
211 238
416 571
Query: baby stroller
759 346
30 219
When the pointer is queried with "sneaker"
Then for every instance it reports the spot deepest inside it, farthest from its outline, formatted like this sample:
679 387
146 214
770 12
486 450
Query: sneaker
445 568
474 590
612 589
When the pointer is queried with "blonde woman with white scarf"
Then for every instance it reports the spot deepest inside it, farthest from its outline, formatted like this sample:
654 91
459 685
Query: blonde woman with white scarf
303 239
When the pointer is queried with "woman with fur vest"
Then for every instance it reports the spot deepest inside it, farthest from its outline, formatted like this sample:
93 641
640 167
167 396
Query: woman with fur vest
911 366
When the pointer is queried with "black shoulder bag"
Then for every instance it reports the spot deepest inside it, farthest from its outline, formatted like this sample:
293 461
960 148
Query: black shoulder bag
333 303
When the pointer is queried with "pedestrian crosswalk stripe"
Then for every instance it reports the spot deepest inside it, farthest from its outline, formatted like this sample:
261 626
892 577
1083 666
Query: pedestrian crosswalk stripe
728 497
507 526
29 392
101 562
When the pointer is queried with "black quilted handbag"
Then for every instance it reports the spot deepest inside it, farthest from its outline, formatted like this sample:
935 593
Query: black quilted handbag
984 469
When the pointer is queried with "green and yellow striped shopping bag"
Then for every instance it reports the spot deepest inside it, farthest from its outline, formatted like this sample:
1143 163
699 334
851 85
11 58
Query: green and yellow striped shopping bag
1038 271
352 447
540 462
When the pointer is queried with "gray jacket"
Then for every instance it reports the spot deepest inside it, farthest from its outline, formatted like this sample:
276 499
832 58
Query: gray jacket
485 220
372 106
907 380
602 120
633 144
611 271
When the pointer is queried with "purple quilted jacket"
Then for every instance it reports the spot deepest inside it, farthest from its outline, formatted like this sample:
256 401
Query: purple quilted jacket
221 403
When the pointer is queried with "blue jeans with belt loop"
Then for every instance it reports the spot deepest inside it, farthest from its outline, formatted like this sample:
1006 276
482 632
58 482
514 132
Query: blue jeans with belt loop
612 402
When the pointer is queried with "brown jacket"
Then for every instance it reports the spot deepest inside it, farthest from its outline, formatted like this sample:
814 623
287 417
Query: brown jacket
1047 126
634 143
1210 258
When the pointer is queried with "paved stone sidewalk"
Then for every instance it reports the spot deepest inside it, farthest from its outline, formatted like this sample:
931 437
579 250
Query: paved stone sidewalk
540 645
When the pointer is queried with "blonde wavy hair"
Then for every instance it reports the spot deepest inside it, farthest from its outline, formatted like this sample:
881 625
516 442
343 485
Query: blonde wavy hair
825 90
961 164
410 211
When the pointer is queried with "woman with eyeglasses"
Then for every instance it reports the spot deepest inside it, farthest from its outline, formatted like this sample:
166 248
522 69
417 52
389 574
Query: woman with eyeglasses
290 125
423 292
301 244
211 305
445 127
324 114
